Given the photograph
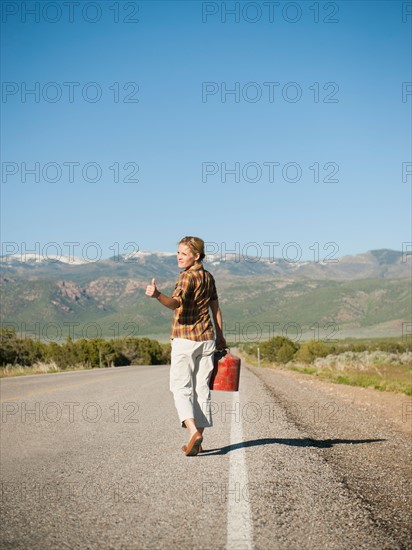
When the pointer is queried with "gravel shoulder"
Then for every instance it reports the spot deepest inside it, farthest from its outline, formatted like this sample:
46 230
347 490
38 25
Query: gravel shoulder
390 407
363 439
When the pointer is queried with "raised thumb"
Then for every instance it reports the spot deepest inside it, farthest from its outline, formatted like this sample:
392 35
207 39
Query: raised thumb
153 282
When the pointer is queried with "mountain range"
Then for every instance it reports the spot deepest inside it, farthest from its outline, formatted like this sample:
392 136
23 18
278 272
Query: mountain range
366 294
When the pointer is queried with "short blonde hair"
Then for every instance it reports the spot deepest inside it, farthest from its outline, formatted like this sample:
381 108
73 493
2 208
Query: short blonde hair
196 245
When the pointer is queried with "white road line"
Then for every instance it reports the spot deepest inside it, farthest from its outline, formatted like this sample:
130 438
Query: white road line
239 519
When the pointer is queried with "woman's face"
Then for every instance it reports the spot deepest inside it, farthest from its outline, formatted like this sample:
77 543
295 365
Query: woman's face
185 257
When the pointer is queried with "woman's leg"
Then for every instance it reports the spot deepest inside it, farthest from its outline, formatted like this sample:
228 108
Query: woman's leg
202 374
191 367
181 380
191 426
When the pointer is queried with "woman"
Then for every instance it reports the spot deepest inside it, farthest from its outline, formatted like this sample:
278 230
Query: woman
192 338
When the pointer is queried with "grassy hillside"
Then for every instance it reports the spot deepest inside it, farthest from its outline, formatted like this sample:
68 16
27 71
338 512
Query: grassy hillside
253 307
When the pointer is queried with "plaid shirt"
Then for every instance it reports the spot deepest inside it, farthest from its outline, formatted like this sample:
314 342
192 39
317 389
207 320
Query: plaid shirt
195 289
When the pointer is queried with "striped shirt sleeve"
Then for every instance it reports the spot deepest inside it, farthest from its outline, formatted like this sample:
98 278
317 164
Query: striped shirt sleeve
183 287
214 291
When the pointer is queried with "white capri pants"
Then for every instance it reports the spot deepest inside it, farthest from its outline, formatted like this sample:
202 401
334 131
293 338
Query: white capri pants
190 371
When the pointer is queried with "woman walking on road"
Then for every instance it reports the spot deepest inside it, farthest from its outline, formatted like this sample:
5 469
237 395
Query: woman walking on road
193 339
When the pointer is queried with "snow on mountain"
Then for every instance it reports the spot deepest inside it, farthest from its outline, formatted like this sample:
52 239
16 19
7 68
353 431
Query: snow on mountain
373 264
39 259
145 253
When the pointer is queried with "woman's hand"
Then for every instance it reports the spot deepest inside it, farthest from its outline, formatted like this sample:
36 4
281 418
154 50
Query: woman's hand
220 342
151 290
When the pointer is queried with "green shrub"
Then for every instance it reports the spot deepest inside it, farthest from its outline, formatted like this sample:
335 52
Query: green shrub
278 349
21 351
309 351
92 353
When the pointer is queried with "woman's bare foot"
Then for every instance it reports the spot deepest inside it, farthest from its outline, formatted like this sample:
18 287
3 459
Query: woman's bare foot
191 426
192 448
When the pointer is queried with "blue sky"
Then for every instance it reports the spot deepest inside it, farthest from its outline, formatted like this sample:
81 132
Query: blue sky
336 106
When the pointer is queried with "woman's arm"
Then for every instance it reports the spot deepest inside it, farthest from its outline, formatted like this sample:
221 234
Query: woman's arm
218 322
168 301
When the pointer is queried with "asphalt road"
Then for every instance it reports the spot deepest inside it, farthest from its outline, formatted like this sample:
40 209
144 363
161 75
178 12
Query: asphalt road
92 460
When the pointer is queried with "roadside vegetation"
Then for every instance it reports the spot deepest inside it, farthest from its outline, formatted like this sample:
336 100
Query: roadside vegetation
28 356
382 363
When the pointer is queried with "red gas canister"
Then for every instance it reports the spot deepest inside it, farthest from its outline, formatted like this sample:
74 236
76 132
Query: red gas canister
226 372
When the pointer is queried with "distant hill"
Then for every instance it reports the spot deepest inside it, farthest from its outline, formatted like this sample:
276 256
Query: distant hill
374 264
365 294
